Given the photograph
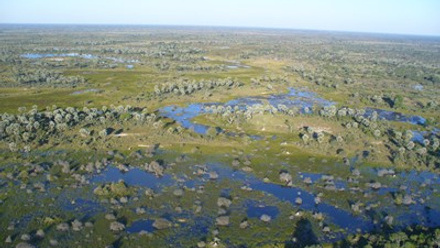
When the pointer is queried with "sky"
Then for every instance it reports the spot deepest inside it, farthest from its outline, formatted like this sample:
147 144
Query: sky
419 17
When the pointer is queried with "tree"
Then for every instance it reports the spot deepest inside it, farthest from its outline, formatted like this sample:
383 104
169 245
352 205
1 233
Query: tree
398 101
13 147
103 133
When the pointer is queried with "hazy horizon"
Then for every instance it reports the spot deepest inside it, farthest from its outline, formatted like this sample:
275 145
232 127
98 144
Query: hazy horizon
390 17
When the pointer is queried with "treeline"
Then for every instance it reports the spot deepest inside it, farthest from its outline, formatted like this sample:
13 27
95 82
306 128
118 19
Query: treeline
20 130
43 77
186 87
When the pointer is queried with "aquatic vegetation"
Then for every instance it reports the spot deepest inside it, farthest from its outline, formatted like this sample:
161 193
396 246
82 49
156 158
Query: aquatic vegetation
189 138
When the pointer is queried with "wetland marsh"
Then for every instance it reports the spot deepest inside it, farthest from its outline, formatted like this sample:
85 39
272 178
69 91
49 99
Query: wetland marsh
145 136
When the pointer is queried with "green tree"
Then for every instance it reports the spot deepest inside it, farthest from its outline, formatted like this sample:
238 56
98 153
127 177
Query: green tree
398 101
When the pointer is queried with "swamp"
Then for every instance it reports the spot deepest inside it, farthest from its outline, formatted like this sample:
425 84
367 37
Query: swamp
170 136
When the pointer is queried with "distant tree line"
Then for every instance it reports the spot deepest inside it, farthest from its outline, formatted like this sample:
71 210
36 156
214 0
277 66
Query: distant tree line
42 77
186 87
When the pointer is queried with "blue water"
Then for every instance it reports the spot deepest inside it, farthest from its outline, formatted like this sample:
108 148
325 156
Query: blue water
87 208
335 215
51 55
419 136
313 176
417 213
420 215
338 216
79 92
184 116
293 98
138 177
255 210
395 116
238 66
134 177
79 55
141 225
299 99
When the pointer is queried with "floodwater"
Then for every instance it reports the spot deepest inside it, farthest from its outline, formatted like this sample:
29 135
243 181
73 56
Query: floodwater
79 92
256 210
420 184
423 186
238 66
395 116
134 177
417 213
141 225
294 98
53 55
300 100
78 55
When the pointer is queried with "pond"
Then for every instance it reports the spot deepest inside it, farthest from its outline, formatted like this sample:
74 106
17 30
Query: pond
396 116
141 225
255 209
79 92
134 177
237 66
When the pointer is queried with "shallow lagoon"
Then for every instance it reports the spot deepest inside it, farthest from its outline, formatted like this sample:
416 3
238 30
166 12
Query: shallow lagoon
294 98
301 100
417 213
78 55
